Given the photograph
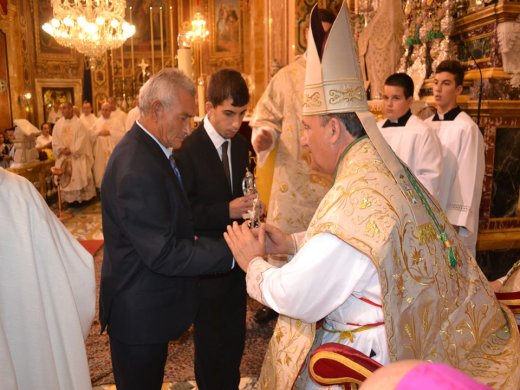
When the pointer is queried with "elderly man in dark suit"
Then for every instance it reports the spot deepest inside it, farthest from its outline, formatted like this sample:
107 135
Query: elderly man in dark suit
152 258
213 162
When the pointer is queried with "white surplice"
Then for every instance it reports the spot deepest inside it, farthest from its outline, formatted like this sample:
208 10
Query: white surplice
47 294
88 120
463 174
70 133
102 146
120 115
418 147
325 279
54 116
131 117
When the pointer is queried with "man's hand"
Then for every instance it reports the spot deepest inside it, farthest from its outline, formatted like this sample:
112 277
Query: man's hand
263 141
240 206
66 151
244 245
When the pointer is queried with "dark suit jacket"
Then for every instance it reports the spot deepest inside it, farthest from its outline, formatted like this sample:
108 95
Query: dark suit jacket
205 181
151 260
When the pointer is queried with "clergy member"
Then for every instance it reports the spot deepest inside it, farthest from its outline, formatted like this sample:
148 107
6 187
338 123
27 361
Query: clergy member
47 294
54 113
378 262
462 153
132 115
296 189
86 116
72 151
117 113
105 134
410 138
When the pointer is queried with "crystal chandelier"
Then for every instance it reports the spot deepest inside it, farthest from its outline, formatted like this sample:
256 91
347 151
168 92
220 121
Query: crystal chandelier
198 30
90 26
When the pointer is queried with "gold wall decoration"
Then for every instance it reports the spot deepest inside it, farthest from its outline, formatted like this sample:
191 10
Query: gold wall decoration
46 46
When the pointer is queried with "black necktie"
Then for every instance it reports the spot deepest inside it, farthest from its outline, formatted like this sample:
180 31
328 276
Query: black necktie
175 169
225 161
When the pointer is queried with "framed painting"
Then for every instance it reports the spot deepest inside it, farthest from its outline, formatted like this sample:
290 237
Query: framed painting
46 46
50 90
225 28
50 95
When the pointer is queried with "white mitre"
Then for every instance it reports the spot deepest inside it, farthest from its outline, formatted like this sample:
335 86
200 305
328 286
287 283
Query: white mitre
333 85
333 81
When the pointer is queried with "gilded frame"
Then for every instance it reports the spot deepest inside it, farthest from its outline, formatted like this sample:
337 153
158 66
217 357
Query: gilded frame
225 26
46 46
42 85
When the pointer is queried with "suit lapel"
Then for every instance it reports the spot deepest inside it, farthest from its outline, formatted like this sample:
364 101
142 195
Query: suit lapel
155 150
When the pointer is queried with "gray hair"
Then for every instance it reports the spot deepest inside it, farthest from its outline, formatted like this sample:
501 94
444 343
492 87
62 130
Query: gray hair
350 120
164 86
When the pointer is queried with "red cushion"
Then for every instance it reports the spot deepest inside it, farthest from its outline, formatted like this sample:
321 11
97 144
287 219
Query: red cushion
510 299
337 364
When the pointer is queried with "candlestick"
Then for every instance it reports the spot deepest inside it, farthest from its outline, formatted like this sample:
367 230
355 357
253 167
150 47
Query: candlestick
184 61
151 40
201 97
113 72
122 64
161 37
132 47
171 37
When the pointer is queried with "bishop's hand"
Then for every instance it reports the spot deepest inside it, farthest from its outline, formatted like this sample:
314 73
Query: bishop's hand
245 245
277 242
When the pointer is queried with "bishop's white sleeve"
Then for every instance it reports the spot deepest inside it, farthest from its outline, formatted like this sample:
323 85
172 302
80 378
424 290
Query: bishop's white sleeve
320 277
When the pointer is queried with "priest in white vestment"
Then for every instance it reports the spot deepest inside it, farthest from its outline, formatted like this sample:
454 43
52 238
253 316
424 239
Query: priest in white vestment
87 117
116 112
409 137
132 116
55 113
378 263
105 134
462 152
47 294
71 148
296 189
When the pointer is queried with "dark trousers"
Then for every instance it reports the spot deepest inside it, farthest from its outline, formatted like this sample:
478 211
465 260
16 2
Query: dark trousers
219 330
138 367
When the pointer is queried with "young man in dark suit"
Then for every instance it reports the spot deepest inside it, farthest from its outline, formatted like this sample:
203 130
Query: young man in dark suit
213 162
151 257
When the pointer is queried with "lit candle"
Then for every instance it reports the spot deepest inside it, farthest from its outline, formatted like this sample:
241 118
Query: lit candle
184 61
113 71
171 37
132 47
162 46
201 97
122 65
151 40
